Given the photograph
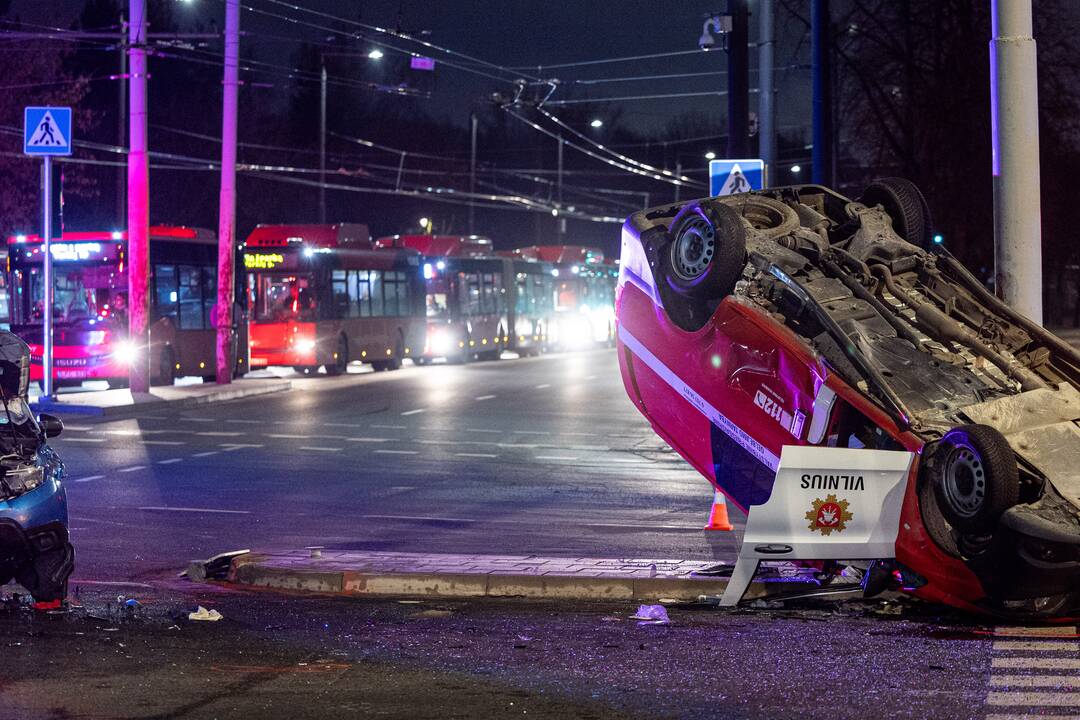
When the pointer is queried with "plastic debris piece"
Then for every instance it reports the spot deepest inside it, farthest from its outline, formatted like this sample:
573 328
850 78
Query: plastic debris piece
48 605
132 602
215 568
651 615
203 614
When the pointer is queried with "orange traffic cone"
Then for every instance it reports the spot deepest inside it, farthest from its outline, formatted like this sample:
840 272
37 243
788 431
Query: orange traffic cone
718 519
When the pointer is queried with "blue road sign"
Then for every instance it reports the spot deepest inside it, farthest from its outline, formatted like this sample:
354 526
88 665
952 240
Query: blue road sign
727 177
47 131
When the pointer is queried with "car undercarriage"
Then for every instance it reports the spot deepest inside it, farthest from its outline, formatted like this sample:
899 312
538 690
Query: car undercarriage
992 397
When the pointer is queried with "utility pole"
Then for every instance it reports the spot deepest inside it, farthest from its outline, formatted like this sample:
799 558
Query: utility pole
822 89
322 144
1014 107
738 80
766 107
472 174
227 204
560 223
678 174
121 127
138 191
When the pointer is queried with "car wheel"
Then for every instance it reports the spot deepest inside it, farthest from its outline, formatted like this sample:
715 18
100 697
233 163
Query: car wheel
975 478
707 251
341 362
907 207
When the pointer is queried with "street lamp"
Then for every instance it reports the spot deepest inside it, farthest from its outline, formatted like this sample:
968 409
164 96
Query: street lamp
425 225
597 123
375 54
796 169
710 155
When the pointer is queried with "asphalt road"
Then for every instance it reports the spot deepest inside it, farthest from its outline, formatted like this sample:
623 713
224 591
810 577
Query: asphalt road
520 456
541 456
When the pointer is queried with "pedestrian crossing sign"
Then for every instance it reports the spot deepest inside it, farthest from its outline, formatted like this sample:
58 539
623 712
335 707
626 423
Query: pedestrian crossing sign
729 177
47 131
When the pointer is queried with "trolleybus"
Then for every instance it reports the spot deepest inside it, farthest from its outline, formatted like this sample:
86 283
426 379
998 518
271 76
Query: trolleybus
322 295
90 334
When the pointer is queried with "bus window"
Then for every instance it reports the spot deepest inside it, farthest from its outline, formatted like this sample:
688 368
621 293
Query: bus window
166 292
339 287
190 297
375 278
470 293
209 278
363 292
284 297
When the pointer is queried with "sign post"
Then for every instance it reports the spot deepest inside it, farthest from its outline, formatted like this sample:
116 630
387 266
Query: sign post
47 132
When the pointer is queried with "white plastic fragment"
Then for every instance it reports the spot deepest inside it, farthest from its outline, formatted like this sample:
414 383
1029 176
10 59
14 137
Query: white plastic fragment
651 615
202 613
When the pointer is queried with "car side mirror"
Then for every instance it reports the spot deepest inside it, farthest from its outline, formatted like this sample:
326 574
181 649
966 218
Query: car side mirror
50 425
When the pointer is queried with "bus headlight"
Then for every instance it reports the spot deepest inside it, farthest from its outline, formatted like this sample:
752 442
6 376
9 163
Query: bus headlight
440 342
305 345
125 352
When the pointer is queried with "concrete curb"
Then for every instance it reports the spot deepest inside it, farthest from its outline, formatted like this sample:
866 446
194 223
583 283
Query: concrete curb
235 392
259 570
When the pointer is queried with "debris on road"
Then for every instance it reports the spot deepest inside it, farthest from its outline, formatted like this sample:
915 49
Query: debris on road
215 568
651 615
203 614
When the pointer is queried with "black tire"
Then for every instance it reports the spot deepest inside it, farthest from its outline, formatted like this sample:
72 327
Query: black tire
341 364
905 204
166 368
707 251
974 477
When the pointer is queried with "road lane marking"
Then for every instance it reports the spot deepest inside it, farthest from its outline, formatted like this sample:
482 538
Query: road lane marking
476 455
1055 681
170 461
1042 663
555 457
208 453
229 447
532 432
445 442
244 422
624 460
1029 699
421 518
413 412
79 428
545 386
398 452
391 427
133 468
285 436
83 440
1044 646
483 430
485 397
196 419
367 439
351 425
195 510
526 446
219 434
320 449
89 478
163 442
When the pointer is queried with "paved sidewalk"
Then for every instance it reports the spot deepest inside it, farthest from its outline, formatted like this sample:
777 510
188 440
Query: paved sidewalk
123 402
449 575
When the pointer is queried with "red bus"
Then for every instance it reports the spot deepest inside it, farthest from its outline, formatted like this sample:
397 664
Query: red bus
90 335
479 304
584 295
321 295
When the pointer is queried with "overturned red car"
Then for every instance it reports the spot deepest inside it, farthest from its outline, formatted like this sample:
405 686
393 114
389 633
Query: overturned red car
795 316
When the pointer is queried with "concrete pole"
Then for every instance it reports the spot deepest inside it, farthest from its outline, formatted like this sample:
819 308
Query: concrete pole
138 203
121 127
472 174
738 81
822 89
227 203
1014 107
766 106
322 145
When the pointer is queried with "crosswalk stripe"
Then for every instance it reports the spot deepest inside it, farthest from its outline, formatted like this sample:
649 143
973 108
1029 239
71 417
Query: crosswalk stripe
1036 662
1049 681
1029 699
1037 645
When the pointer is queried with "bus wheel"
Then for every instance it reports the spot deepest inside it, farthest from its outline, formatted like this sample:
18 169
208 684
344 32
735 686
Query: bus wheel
166 367
341 363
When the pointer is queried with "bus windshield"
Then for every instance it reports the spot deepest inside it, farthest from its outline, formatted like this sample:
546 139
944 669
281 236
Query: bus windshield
437 298
80 293
283 296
